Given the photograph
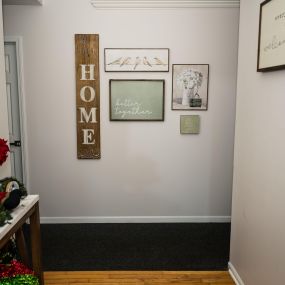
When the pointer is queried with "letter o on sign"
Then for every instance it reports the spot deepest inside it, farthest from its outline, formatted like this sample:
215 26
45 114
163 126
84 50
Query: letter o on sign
83 93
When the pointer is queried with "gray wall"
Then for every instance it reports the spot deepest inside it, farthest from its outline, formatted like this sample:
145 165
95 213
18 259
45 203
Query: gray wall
258 232
147 169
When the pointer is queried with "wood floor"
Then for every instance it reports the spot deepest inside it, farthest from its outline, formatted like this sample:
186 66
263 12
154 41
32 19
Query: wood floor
138 278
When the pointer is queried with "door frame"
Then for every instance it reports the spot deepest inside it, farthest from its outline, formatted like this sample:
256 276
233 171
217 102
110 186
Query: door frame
17 40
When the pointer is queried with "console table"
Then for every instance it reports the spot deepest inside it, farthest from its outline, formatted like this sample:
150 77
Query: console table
28 209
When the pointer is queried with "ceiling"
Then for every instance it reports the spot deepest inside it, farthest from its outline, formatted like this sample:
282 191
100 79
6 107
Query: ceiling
22 2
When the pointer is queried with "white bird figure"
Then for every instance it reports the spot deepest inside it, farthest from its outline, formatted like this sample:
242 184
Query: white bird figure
159 62
137 62
125 61
146 62
117 61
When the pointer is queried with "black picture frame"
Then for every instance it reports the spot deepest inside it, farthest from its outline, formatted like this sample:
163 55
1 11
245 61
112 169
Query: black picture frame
198 96
271 36
136 99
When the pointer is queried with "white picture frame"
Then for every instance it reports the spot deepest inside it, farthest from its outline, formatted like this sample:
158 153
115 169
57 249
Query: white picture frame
136 59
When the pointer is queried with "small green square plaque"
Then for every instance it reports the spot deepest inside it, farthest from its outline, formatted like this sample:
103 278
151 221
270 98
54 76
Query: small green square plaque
189 124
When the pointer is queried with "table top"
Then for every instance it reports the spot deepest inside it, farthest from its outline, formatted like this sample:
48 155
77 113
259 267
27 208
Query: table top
25 205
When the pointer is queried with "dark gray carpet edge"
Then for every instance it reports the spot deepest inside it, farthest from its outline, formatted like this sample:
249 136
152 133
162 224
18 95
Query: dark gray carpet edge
155 246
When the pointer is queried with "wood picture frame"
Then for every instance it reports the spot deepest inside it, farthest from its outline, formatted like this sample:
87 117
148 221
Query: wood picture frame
190 87
136 59
136 99
271 38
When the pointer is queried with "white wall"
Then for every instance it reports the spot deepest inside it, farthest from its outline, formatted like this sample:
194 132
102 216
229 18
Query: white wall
258 232
5 169
147 168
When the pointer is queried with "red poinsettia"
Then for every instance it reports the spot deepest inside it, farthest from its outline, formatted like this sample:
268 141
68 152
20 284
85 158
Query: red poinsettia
4 149
14 269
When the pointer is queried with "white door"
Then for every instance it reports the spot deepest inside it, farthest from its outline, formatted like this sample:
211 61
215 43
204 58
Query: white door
13 110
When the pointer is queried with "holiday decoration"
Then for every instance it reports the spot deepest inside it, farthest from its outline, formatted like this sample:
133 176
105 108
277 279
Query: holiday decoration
13 269
16 273
11 192
5 216
4 149
20 280
8 253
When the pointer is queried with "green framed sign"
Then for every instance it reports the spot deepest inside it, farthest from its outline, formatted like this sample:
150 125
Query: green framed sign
189 124
136 100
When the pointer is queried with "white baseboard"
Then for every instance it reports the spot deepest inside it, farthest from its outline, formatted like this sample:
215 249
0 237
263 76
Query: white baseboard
237 279
137 219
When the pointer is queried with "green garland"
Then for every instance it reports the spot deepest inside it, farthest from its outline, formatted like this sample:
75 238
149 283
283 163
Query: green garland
5 216
9 252
4 182
26 279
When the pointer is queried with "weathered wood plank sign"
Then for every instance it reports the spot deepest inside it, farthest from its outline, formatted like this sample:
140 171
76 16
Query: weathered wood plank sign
87 96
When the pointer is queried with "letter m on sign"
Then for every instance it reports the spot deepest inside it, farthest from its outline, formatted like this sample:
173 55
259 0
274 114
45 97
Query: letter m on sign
87 96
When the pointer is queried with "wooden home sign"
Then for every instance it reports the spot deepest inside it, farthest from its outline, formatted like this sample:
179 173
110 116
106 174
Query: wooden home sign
87 96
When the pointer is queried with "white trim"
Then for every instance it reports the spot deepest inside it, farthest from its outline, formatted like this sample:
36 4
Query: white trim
234 274
23 2
22 104
137 219
163 4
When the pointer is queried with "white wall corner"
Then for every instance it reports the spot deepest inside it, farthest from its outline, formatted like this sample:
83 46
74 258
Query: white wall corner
163 4
234 274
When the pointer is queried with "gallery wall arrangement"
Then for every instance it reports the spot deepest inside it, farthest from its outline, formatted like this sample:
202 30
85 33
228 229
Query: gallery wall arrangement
140 99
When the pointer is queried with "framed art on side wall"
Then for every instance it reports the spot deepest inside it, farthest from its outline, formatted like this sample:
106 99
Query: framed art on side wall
190 86
271 40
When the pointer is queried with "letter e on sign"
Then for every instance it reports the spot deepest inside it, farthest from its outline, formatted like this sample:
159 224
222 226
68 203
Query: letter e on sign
87 96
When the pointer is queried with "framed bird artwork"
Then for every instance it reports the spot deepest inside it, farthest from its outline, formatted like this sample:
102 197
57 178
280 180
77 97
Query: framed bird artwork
136 59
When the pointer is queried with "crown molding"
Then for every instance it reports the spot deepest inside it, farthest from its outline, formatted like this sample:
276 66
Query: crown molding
163 4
